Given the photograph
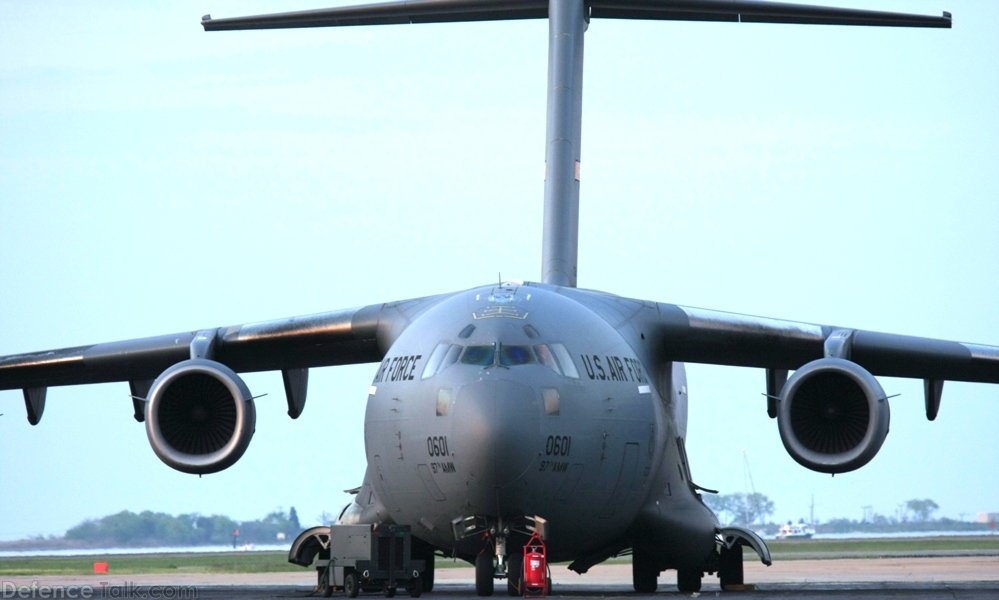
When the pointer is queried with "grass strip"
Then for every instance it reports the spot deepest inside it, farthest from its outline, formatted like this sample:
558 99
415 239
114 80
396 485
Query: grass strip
131 564
876 546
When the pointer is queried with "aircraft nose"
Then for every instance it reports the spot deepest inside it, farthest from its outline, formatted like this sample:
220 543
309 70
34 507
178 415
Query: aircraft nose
496 426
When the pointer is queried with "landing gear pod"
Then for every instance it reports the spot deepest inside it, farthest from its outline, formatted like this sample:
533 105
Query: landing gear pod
833 416
199 416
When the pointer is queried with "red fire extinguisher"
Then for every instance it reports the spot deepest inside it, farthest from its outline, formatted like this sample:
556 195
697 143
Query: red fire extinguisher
536 582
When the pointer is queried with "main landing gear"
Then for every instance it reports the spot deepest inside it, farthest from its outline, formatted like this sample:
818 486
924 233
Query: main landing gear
645 569
730 543
730 573
726 561
688 581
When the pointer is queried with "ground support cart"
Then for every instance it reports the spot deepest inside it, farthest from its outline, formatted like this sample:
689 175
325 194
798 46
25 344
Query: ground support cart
355 558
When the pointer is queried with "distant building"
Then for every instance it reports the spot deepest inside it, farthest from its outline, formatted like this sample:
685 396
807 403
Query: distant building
988 517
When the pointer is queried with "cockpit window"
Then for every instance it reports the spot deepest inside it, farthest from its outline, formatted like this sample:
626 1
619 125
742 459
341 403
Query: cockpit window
511 356
546 358
479 355
565 361
451 357
442 357
434 361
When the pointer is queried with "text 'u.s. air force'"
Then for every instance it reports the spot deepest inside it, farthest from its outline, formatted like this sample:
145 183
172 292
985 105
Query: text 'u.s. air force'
613 368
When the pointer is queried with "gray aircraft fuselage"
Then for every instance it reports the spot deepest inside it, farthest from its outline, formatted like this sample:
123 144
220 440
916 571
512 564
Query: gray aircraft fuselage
499 426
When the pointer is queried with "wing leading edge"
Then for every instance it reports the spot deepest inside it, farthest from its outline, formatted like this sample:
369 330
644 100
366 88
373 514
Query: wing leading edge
714 337
342 337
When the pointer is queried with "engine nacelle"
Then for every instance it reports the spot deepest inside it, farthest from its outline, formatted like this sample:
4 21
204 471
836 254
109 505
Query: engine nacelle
199 416
833 416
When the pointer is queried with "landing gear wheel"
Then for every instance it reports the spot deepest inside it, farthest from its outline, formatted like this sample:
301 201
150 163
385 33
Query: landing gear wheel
515 574
352 585
416 589
484 574
688 581
428 574
325 589
730 567
644 574
389 592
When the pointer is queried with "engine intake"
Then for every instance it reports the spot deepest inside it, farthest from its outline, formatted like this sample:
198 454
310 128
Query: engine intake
199 417
833 416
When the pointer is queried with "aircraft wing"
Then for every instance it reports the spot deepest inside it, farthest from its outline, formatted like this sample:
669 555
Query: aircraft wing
698 335
341 337
199 414
447 11
832 413
707 336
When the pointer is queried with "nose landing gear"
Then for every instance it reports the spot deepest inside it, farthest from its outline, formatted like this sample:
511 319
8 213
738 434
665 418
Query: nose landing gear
493 562
515 574
484 574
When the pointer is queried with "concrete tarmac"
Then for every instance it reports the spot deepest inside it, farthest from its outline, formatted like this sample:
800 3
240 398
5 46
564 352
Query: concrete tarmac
968 577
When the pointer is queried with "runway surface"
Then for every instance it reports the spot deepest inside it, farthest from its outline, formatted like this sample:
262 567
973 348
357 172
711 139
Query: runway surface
968 577
777 591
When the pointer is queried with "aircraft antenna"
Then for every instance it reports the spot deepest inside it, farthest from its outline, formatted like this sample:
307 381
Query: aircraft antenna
747 478
748 473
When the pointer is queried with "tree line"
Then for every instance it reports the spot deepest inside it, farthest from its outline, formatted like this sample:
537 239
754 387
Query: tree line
152 529
740 509
753 510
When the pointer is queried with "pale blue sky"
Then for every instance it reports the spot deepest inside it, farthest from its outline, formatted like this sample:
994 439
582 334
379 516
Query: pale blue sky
155 178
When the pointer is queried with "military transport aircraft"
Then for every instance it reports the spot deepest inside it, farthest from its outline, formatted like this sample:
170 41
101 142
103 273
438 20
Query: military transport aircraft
523 406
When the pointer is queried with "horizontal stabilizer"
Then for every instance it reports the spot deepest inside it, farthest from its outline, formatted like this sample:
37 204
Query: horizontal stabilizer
449 11
388 13
748 11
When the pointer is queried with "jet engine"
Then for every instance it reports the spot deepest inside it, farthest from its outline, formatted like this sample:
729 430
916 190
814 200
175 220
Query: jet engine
833 416
199 416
